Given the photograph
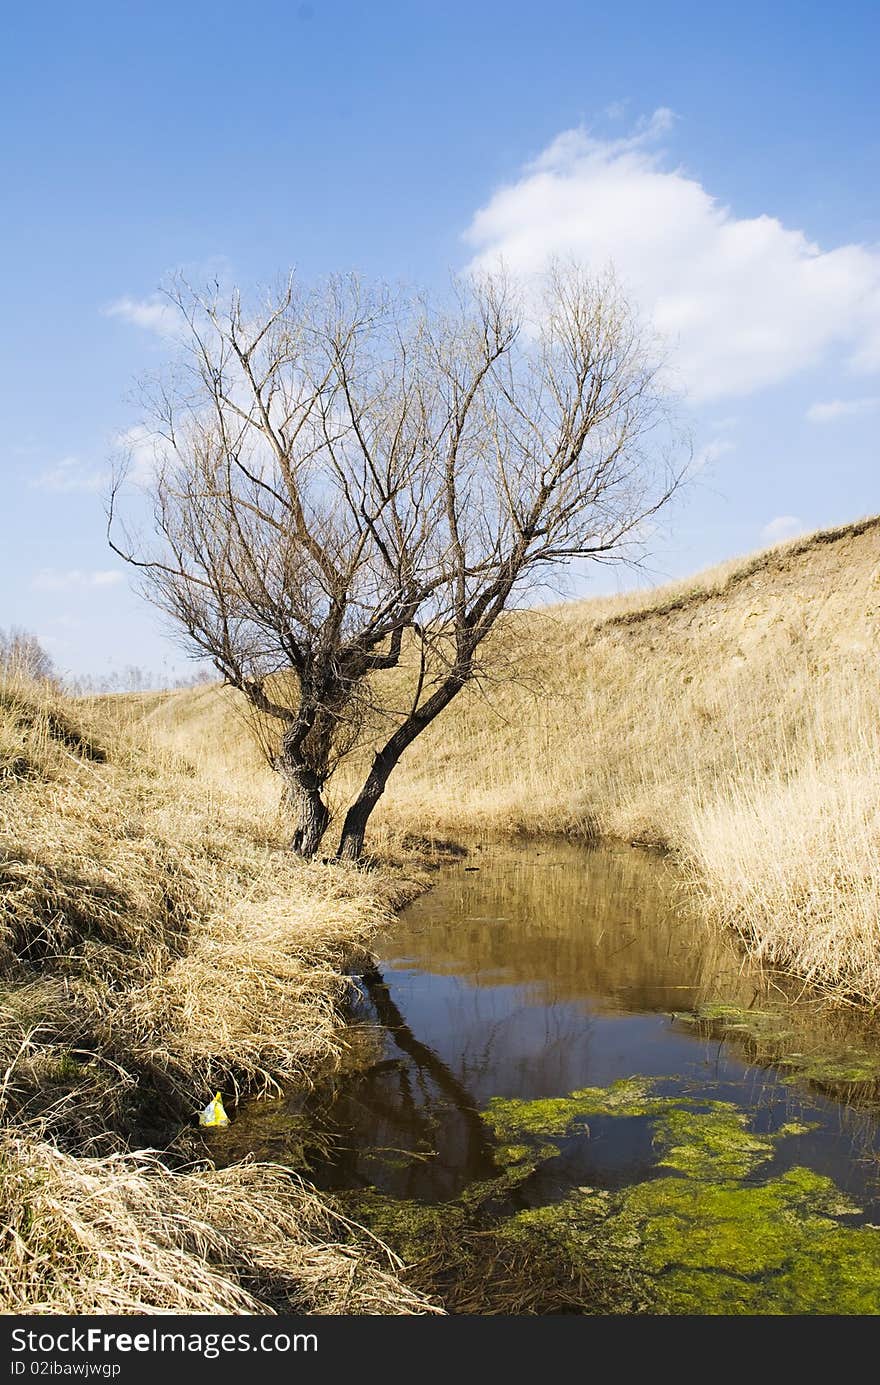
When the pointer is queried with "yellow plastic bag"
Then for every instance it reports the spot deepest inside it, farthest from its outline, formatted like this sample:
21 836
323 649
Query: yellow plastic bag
213 1113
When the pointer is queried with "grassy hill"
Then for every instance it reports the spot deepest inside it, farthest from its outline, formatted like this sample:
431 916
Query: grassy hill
733 718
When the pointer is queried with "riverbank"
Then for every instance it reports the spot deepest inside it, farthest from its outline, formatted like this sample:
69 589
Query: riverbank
158 944
733 719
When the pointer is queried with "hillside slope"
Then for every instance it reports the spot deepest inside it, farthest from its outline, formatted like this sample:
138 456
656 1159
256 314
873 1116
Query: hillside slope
734 718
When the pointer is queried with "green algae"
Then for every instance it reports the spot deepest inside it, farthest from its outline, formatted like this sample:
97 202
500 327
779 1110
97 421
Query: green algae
412 1229
511 1119
697 1137
703 1236
712 1144
850 1069
514 1154
733 1247
769 1035
732 1017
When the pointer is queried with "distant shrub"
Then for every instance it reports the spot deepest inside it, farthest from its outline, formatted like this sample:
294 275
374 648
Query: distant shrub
22 656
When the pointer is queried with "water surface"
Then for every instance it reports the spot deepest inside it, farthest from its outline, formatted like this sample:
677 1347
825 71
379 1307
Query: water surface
535 971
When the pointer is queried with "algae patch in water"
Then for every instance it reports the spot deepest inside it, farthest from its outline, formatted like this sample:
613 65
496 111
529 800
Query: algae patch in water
767 1033
774 1248
512 1118
703 1236
716 1143
701 1138
688 1246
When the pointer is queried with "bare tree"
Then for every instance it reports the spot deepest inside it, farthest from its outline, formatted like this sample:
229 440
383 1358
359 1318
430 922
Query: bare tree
132 679
22 656
348 481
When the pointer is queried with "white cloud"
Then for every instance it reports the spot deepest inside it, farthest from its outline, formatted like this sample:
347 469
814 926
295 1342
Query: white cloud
711 453
744 301
154 314
50 579
781 528
140 448
842 408
157 312
70 474
137 445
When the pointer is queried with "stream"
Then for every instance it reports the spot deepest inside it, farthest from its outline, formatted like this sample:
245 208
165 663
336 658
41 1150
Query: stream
560 1047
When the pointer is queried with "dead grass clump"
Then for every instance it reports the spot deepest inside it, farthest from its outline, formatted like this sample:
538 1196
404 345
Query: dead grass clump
795 867
193 951
36 729
257 996
125 1234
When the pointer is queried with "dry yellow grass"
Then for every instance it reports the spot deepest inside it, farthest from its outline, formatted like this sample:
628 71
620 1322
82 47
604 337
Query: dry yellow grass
185 936
734 718
125 1234
157 942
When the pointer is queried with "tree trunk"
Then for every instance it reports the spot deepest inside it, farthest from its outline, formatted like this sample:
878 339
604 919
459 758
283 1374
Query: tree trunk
302 799
312 820
351 843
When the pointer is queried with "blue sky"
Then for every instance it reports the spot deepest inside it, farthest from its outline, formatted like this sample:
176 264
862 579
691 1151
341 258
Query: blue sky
726 158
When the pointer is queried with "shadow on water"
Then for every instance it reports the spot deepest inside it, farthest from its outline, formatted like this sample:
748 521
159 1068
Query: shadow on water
546 970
